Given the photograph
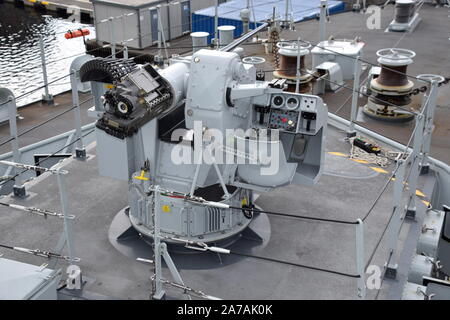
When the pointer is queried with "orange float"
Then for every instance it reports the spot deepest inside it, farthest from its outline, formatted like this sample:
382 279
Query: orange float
76 33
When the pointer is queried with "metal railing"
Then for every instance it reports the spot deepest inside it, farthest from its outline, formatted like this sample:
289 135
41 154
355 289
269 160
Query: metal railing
66 236
414 158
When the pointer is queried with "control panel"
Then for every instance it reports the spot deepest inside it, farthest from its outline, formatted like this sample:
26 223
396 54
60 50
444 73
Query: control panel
290 112
308 104
283 120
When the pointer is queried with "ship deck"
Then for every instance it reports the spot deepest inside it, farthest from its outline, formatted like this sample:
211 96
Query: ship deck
345 192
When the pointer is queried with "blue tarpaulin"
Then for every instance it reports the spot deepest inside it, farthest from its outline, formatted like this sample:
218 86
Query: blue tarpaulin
229 13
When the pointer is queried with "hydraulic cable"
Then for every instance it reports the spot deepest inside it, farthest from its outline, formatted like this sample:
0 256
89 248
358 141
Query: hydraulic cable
201 201
201 246
40 253
294 216
294 264
37 211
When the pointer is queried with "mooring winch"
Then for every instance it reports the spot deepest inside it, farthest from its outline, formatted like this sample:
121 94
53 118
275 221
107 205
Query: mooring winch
289 53
391 90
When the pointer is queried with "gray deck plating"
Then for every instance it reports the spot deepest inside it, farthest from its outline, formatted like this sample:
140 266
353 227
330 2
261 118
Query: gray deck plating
96 200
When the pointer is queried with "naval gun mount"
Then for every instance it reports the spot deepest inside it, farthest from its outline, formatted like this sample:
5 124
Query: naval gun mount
155 123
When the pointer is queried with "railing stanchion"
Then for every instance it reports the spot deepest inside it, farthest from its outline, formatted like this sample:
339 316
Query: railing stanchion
159 292
416 158
18 188
80 151
429 124
396 221
111 35
360 259
65 211
46 97
351 132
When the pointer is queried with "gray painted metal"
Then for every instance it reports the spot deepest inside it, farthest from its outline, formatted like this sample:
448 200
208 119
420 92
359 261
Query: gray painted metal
245 37
420 266
405 27
47 97
360 259
98 89
68 233
22 281
397 218
413 291
124 158
8 101
76 64
438 291
411 231
226 35
442 168
428 242
47 146
267 280
355 94
74 80
199 40
416 159
158 292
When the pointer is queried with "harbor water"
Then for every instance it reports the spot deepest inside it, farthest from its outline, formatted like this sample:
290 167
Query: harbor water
20 60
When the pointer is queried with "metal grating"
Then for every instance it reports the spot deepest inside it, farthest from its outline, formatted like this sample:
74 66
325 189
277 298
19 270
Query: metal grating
213 220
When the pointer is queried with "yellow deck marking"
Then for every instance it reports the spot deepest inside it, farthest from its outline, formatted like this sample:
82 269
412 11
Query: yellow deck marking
338 154
426 203
166 208
360 161
420 193
404 182
378 170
